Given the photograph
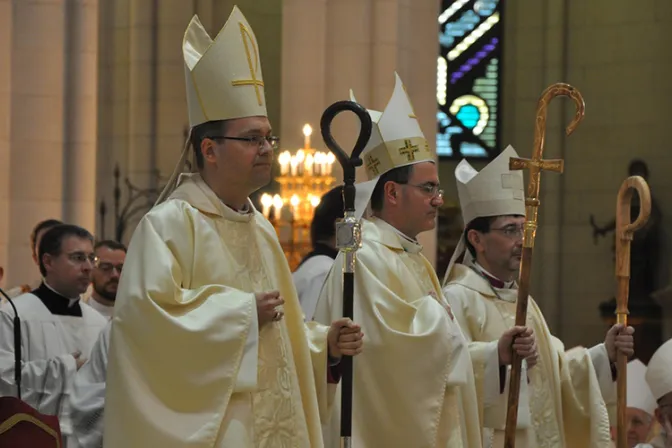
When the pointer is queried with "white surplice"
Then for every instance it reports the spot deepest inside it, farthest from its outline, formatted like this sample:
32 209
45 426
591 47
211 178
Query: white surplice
47 344
105 310
308 280
87 399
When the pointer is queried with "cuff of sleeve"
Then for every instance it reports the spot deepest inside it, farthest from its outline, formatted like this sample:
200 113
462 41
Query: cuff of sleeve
494 375
334 373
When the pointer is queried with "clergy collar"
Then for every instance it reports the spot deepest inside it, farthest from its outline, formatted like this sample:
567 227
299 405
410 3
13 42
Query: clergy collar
56 302
393 237
192 188
494 281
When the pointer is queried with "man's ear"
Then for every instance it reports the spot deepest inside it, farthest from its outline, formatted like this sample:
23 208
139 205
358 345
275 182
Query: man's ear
47 261
208 150
391 192
476 239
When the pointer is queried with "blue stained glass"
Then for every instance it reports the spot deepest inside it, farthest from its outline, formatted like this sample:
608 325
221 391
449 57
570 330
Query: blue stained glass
459 28
485 7
473 150
468 115
473 69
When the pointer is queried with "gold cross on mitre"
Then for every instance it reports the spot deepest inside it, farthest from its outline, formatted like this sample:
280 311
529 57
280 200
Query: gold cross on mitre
409 150
253 64
372 164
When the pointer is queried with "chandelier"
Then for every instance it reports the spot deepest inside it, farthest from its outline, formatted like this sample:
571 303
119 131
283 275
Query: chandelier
305 176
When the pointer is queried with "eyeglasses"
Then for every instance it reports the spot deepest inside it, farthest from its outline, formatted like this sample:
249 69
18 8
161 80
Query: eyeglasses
81 257
433 190
109 267
258 140
511 231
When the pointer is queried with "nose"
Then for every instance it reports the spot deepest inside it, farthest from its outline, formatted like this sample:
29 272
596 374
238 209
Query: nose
437 201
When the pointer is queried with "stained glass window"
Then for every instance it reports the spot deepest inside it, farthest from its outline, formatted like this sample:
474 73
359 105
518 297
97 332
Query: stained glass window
468 78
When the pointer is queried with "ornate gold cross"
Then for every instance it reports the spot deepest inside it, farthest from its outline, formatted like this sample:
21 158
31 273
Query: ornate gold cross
409 150
256 83
372 164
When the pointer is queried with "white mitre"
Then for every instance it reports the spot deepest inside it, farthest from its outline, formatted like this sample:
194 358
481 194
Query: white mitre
223 77
495 191
396 140
639 394
659 371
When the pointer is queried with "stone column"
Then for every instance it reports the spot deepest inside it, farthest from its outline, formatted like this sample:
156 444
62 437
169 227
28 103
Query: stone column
80 113
5 110
37 67
304 67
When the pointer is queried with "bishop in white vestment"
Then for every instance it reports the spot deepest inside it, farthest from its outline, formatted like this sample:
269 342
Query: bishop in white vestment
208 345
413 385
659 378
563 400
57 329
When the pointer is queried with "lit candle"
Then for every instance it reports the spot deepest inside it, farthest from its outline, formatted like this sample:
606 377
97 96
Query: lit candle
330 161
300 157
277 205
323 164
315 201
307 131
284 163
266 202
293 163
294 201
309 164
317 162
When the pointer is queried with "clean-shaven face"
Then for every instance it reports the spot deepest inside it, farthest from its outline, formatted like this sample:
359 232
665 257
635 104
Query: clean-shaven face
421 198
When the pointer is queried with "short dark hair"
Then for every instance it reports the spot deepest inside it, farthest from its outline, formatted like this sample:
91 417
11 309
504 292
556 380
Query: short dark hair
480 224
42 225
326 213
202 131
110 244
52 241
399 175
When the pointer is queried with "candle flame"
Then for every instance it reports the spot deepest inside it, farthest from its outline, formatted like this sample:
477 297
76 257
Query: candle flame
307 130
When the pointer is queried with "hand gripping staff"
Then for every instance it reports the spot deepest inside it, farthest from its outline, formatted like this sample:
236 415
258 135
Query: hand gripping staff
348 236
624 233
536 164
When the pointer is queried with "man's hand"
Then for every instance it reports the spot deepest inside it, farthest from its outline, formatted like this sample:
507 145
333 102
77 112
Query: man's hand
344 338
619 339
267 302
78 359
521 340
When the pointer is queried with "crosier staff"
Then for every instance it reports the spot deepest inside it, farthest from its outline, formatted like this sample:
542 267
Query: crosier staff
624 233
536 164
348 236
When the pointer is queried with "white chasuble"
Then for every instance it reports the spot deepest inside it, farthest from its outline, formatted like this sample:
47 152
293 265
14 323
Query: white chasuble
47 344
413 383
561 398
188 365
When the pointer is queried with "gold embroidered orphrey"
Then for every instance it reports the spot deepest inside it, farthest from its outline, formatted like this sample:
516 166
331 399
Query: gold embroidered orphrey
372 164
409 150
252 64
